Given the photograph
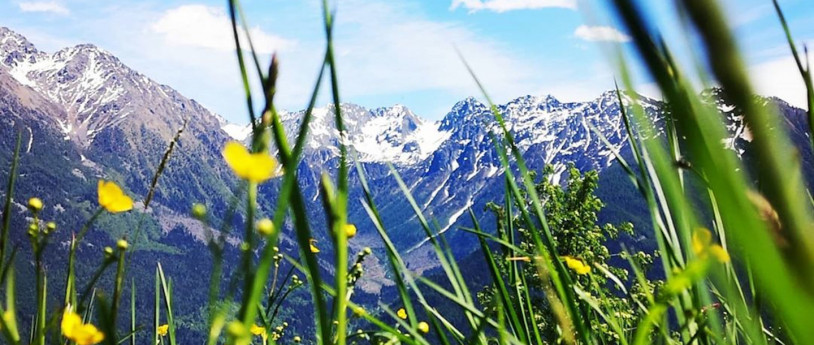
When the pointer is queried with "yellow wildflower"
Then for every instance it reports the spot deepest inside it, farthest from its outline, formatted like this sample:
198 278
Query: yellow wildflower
577 265
112 198
313 244
253 167
402 314
350 230
122 244
265 226
702 246
424 327
258 330
35 204
82 334
297 339
162 330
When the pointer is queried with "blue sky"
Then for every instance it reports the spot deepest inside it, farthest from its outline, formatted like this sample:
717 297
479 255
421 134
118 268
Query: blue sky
396 51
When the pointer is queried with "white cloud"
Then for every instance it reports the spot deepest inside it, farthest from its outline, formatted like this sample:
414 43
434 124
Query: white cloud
387 49
210 27
780 78
600 34
44 6
501 6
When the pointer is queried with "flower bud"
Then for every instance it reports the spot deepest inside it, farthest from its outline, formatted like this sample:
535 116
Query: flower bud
122 244
265 227
198 211
350 230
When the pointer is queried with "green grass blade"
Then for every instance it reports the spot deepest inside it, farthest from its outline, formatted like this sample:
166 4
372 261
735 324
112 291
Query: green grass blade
12 177
500 285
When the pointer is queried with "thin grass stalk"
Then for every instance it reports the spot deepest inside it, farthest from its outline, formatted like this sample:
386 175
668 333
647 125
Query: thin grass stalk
88 291
166 289
12 177
392 254
165 158
245 25
249 242
500 285
117 291
243 74
367 316
274 294
473 322
340 203
216 317
41 294
609 319
70 284
133 312
443 260
400 269
805 71
9 326
156 308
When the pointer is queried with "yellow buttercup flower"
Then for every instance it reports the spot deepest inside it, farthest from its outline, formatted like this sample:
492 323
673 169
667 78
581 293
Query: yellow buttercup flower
424 327
35 204
313 243
703 247
112 198
577 265
350 230
402 314
162 330
257 330
253 167
82 334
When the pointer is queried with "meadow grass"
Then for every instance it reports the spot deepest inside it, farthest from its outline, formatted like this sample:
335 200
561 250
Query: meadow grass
730 284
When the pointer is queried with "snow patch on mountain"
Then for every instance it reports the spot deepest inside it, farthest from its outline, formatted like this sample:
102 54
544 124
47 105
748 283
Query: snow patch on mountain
237 132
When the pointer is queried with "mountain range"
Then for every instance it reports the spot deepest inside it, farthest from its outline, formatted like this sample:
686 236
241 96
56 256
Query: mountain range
84 115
